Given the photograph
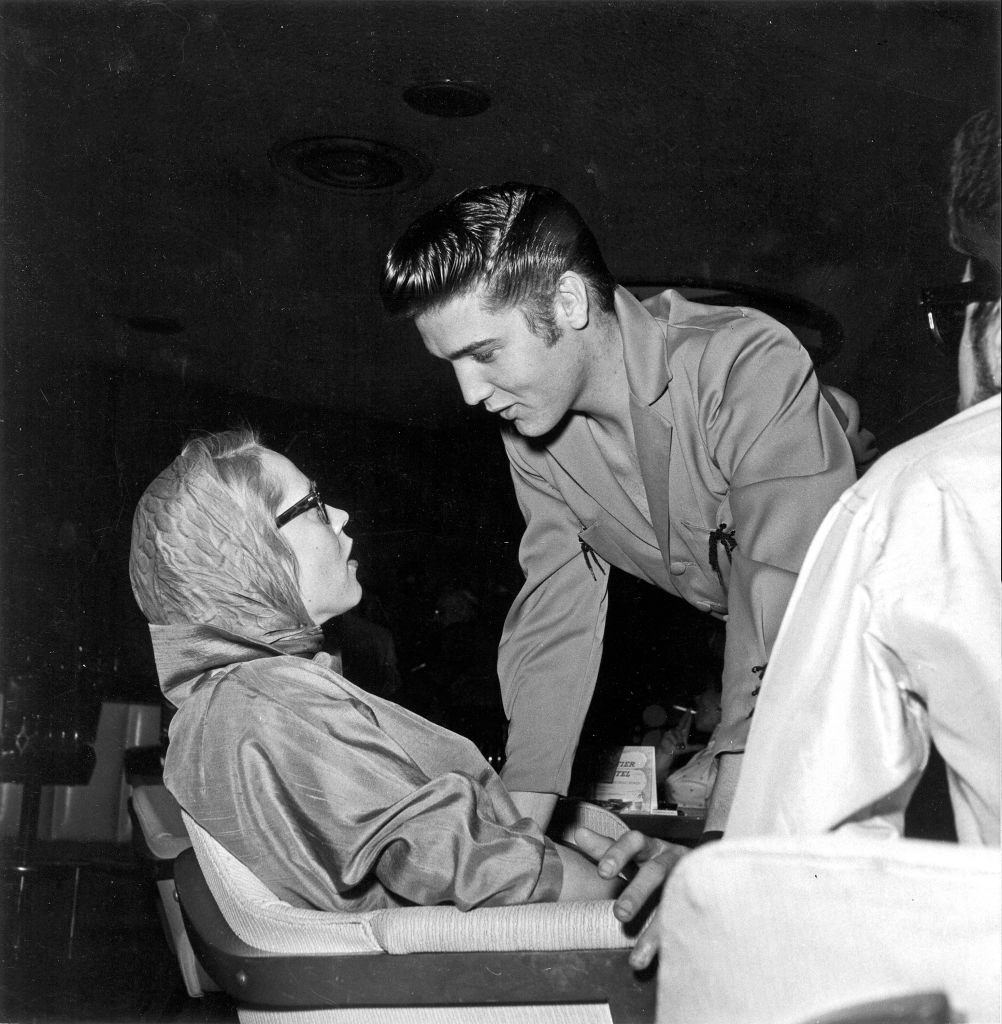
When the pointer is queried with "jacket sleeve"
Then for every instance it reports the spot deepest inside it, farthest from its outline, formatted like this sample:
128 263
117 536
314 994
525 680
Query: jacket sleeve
340 793
786 459
551 647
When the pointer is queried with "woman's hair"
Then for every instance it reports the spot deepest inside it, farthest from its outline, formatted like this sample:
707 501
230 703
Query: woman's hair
513 240
205 547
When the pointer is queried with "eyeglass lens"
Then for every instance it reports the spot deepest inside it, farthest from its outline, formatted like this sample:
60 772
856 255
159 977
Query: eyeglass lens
946 308
947 326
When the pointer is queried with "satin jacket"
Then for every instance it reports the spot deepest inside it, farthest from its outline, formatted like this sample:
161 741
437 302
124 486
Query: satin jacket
740 457
334 798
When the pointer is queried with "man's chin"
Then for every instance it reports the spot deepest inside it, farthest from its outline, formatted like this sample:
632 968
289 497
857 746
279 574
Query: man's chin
529 428
536 427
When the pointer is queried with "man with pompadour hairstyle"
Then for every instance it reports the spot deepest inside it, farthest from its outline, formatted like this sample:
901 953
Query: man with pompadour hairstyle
690 446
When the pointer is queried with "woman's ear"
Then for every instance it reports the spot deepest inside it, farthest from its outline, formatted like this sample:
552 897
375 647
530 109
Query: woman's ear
572 301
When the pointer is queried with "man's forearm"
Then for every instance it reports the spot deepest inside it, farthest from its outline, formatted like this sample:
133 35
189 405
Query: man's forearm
538 806
724 788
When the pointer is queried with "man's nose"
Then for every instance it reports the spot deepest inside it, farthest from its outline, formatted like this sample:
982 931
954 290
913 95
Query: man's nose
473 387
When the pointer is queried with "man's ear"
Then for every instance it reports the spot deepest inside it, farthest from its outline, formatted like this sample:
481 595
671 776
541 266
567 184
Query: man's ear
993 345
572 304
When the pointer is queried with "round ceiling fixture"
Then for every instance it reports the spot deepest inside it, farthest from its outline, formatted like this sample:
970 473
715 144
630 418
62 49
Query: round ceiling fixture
349 165
447 98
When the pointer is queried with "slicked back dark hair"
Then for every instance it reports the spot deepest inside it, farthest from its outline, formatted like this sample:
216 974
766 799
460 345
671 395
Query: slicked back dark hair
513 240
974 208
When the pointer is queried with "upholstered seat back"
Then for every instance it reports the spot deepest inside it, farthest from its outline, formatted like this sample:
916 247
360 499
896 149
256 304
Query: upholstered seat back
264 921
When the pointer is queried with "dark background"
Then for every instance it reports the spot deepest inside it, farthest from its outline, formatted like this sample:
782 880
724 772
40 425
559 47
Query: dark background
161 276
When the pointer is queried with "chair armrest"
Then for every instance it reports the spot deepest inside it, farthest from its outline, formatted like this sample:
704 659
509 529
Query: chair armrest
569 814
253 977
159 819
158 833
578 924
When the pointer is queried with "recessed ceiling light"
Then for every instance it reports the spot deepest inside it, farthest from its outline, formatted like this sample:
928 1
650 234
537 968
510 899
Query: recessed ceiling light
349 165
447 98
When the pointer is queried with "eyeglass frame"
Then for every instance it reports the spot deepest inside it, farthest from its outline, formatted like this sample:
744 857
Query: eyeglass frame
311 500
983 287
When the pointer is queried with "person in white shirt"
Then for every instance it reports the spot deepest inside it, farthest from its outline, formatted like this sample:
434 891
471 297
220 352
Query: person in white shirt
893 637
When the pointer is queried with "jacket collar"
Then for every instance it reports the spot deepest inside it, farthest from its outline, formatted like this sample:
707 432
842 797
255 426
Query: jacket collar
644 348
184 653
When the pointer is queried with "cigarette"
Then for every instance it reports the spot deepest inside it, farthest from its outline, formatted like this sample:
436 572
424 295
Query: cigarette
679 707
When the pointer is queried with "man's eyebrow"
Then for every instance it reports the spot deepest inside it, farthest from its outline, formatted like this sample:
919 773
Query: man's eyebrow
472 349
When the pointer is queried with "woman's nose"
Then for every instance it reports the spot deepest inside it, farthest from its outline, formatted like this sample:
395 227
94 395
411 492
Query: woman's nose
338 518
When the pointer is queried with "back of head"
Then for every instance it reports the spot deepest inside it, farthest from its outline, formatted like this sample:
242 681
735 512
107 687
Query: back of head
974 207
513 240
205 548
976 229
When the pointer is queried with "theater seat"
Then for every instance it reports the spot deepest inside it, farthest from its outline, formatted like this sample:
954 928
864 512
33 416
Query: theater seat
833 929
561 963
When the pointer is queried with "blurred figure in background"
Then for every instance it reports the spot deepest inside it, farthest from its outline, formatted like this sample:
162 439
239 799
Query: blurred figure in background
688 785
366 648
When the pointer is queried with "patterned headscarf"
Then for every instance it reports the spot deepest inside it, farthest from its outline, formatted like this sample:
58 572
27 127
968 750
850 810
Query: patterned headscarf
207 553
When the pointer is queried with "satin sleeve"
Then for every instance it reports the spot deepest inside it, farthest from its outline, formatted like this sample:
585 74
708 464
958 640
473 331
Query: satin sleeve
785 456
330 793
551 646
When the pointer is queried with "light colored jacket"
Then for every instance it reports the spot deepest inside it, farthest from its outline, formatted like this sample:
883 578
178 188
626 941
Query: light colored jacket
333 797
734 440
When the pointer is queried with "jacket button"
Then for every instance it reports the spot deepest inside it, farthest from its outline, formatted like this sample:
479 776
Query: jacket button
677 568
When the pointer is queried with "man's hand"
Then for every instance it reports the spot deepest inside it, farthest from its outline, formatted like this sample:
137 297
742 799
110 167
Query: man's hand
655 860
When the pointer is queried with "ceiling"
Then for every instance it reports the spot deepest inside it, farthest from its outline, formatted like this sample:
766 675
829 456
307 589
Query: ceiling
800 146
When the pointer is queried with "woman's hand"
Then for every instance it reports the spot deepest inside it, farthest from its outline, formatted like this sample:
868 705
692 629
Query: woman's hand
654 860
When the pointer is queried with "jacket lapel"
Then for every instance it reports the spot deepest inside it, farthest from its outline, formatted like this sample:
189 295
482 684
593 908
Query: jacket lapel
645 350
575 452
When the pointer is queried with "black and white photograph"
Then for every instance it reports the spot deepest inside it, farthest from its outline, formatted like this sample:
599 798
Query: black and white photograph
500 512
